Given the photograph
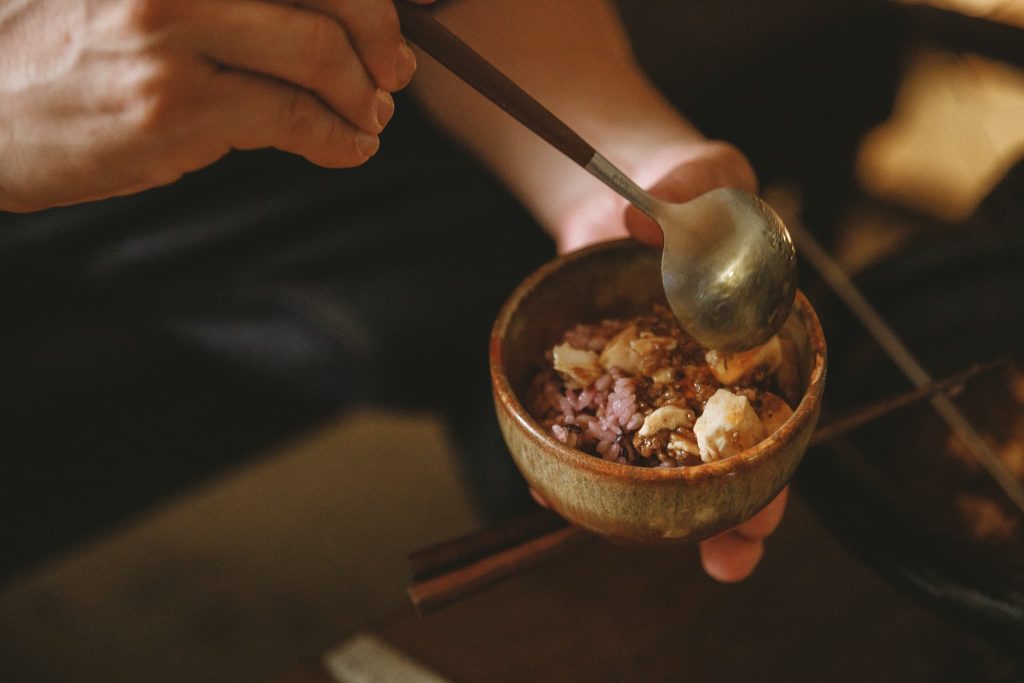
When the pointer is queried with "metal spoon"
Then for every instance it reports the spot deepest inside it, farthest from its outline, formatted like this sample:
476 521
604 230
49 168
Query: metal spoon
728 265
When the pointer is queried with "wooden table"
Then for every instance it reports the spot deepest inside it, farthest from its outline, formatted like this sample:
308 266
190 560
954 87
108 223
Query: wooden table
598 612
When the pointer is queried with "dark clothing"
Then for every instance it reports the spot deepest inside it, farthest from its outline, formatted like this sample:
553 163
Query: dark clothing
152 339
149 340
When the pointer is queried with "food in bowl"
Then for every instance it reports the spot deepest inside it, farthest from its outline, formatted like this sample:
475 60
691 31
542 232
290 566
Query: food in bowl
640 391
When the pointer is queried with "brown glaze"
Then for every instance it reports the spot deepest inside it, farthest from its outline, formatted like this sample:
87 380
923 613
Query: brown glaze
624 502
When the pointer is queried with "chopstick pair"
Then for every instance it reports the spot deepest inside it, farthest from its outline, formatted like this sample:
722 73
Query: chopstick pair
454 569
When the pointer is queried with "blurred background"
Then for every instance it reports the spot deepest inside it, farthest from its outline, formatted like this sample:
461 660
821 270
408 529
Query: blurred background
181 508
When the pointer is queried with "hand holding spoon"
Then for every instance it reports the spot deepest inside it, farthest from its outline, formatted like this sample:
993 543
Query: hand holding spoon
728 265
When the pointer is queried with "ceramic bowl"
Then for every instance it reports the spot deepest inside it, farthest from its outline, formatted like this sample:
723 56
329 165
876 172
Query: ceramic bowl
624 502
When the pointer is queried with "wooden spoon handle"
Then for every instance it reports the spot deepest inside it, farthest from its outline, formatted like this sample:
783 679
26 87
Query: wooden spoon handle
448 49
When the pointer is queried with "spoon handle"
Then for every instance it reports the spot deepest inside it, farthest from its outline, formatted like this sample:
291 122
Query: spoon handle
482 76
448 49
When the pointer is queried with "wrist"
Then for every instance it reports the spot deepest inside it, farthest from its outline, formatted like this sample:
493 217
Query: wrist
594 212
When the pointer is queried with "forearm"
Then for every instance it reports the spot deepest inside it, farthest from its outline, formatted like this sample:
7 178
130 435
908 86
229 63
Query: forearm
574 57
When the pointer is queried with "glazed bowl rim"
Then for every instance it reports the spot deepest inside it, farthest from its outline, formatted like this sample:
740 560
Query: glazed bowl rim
775 443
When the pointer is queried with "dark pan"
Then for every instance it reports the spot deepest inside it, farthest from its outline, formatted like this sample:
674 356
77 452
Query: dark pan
887 489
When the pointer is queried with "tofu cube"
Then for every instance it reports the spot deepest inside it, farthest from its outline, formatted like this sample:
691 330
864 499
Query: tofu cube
728 426
619 354
577 367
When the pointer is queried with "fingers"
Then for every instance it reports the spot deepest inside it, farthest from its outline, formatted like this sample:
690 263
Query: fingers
349 53
304 48
729 557
763 524
713 165
258 112
642 228
732 556
372 26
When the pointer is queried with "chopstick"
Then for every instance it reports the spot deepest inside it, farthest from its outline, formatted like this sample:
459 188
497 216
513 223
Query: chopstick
878 409
464 62
449 571
450 555
461 580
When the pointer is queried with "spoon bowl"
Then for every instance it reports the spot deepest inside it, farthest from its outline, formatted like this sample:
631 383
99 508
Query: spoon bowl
728 268
728 263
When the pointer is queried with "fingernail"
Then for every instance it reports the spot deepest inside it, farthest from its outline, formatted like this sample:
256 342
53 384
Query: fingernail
405 64
385 108
368 144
